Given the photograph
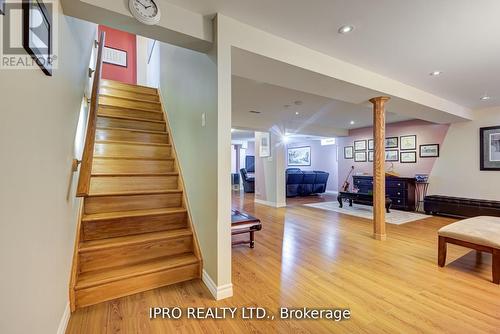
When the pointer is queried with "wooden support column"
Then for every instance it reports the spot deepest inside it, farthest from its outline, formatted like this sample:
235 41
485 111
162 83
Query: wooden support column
379 167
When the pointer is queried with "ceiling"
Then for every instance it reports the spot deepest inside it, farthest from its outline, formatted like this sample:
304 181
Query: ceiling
317 115
403 40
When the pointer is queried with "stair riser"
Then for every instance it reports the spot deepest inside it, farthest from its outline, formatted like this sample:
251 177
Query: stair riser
112 166
120 112
123 103
131 136
133 225
116 150
101 293
129 124
126 87
128 94
103 204
117 184
132 254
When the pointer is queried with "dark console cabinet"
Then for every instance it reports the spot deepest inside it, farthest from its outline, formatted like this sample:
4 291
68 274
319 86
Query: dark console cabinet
401 190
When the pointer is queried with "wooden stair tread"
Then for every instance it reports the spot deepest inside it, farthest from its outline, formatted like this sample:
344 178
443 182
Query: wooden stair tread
132 130
128 98
100 244
139 192
133 158
138 119
103 107
132 143
136 174
132 213
115 84
94 278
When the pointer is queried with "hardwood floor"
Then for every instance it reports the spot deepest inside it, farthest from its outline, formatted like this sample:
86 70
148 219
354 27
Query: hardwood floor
306 257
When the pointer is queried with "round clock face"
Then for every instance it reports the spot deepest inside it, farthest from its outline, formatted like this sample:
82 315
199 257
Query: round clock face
145 11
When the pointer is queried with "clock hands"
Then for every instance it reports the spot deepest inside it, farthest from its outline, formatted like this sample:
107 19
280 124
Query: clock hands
143 5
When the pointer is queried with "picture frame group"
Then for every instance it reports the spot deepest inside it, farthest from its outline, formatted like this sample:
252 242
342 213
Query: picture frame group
401 149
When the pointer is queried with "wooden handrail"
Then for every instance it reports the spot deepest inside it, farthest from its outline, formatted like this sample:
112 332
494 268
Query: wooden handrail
88 150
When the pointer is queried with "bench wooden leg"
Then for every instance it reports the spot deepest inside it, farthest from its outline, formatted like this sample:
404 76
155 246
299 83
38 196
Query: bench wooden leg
252 239
442 251
496 266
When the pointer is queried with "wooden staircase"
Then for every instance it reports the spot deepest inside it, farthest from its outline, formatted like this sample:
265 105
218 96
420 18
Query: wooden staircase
135 231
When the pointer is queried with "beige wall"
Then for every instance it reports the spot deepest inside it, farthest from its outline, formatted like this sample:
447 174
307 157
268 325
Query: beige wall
456 172
39 116
188 84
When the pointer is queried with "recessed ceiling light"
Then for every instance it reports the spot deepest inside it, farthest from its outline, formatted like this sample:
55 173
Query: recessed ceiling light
485 98
255 112
351 122
297 113
345 29
435 73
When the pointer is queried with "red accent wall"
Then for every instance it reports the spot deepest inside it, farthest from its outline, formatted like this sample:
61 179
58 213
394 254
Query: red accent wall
123 41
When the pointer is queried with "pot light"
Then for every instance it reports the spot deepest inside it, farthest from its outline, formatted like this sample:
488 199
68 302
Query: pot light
352 122
345 29
485 98
297 113
435 73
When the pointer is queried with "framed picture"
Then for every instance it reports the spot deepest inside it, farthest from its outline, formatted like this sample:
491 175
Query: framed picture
370 156
299 156
360 156
371 144
408 157
360 145
114 56
38 42
408 142
429 151
392 155
348 152
265 145
391 142
489 148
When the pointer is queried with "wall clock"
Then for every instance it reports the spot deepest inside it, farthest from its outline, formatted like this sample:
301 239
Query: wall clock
145 11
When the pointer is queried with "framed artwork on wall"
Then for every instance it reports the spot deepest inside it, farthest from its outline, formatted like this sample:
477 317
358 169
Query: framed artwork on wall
360 145
38 42
299 156
371 144
265 145
408 157
360 157
408 142
391 142
489 148
370 156
392 155
348 152
429 151
115 56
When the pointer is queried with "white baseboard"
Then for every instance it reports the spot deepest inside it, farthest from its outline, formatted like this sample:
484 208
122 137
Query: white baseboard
64 320
219 292
273 204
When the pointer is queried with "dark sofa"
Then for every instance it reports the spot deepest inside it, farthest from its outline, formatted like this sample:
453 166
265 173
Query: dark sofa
460 207
304 183
248 182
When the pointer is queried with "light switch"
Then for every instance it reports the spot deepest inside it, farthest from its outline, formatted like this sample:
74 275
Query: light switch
203 120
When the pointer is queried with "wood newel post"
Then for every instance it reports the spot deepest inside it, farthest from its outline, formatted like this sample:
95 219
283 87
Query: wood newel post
379 167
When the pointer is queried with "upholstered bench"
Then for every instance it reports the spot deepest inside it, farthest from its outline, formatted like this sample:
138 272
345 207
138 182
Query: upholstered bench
480 233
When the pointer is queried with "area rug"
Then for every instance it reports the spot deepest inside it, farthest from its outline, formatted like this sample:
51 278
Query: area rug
364 211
